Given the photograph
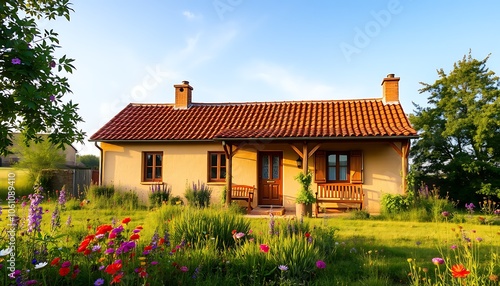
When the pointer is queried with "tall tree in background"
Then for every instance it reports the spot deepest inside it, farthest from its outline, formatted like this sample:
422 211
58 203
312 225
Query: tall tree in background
31 91
459 145
37 157
90 161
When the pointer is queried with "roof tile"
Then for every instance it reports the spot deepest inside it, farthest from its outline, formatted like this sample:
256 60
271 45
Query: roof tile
289 119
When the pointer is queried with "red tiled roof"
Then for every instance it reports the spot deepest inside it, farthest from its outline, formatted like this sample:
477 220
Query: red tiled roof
297 119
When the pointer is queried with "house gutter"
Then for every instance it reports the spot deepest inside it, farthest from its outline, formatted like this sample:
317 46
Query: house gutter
100 162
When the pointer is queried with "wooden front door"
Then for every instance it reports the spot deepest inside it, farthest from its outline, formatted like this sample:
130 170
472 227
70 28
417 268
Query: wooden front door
270 178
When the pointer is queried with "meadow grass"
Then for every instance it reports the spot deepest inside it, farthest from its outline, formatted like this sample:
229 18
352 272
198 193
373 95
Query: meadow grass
356 252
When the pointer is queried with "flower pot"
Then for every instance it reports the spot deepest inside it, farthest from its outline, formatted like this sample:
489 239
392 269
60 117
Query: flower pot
304 210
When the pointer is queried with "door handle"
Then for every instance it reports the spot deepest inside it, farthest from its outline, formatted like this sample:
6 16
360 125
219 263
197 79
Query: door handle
269 181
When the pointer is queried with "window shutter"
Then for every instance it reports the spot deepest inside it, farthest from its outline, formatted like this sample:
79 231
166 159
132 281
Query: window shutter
356 167
320 168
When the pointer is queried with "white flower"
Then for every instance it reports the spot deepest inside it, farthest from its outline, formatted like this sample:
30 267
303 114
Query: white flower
41 265
5 252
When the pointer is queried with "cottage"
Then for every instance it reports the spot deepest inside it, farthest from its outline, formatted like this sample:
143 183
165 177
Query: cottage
347 143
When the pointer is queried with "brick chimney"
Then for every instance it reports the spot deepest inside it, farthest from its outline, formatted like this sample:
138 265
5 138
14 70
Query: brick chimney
390 89
183 95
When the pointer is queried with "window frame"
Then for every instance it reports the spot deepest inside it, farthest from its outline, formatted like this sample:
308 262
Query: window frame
218 167
337 168
145 166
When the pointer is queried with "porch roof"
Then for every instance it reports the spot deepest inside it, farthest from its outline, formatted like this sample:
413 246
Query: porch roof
259 120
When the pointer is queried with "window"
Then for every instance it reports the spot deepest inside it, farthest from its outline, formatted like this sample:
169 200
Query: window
152 166
338 167
216 167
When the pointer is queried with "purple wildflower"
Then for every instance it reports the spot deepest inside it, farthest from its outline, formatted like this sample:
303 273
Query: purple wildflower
99 282
470 207
55 221
184 269
283 267
109 251
68 221
271 224
445 214
62 193
437 260
166 238
125 247
454 246
52 98
35 212
52 64
154 262
16 61
320 264
96 248
65 264
497 212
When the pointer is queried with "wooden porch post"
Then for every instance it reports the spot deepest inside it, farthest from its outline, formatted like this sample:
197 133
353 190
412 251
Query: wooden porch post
405 151
305 158
228 150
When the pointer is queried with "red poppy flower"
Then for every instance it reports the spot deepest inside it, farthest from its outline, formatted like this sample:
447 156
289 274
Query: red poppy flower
87 252
264 248
55 261
459 271
113 268
103 229
162 241
307 234
149 247
126 220
117 278
64 271
135 236
143 274
83 245
139 227
234 231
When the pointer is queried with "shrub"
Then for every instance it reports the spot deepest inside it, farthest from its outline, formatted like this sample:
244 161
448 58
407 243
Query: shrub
393 204
198 194
159 194
305 195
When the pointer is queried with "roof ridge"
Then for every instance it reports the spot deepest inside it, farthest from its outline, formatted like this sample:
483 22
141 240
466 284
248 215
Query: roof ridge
264 102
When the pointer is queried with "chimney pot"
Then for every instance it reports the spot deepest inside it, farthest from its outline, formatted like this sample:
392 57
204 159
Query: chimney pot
391 75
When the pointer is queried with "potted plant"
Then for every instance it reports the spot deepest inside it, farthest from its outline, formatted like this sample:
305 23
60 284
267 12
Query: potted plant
305 197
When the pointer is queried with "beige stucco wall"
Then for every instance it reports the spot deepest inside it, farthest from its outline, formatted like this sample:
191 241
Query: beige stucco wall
187 162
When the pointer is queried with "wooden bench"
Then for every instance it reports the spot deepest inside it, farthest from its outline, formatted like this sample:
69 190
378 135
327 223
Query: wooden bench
243 193
339 193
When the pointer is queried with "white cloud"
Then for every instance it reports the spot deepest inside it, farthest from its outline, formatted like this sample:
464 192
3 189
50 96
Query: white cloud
189 15
296 86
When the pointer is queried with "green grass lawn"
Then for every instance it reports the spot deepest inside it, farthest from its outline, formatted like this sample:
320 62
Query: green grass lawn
366 252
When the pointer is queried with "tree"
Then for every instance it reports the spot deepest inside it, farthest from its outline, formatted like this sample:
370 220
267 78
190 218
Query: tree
38 156
90 161
31 89
459 145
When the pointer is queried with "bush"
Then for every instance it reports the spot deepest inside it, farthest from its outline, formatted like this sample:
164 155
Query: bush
393 204
159 194
109 197
198 194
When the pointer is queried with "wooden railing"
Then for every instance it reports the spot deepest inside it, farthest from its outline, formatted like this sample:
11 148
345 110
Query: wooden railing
339 193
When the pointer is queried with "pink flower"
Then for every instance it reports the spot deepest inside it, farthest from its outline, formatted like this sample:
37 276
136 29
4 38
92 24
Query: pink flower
184 269
16 61
52 64
437 260
320 264
264 248
239 235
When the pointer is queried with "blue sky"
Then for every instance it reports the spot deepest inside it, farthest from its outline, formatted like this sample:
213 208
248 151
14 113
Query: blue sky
244 51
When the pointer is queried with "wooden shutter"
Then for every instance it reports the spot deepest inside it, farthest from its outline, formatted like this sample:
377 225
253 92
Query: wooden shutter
356 167
320 167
